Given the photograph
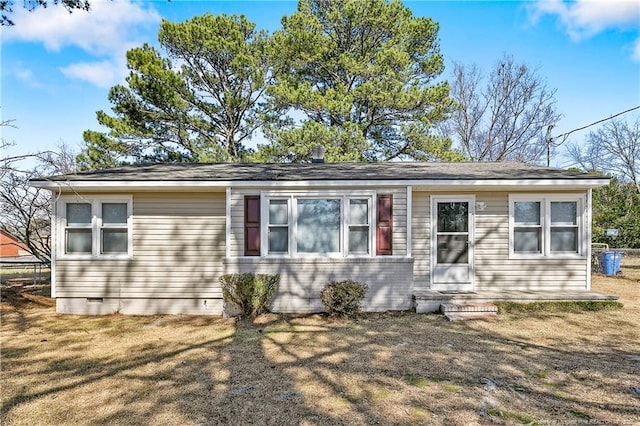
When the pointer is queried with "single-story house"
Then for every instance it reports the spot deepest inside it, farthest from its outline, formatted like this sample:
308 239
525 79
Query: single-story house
156 238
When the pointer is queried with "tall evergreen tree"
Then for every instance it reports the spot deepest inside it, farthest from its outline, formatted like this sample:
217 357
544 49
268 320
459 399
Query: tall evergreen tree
359 78
199 102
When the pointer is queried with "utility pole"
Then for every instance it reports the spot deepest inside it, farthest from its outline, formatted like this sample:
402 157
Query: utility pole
548 138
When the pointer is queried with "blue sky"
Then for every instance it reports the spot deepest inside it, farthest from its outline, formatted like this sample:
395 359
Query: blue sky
57 67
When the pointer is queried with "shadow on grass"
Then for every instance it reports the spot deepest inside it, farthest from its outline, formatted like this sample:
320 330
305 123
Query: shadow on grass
379 369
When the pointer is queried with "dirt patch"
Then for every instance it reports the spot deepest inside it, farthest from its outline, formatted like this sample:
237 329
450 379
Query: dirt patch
392 368
25 296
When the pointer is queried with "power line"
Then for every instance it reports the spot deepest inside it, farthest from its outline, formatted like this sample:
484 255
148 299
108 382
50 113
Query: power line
566 135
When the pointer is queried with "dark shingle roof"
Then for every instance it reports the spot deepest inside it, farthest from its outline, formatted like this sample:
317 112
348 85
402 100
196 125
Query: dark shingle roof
324 172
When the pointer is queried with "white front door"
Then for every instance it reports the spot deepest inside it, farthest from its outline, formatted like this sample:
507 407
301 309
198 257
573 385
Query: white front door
452 242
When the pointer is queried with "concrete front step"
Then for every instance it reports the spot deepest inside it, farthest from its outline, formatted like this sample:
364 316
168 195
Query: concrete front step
468 308
465 316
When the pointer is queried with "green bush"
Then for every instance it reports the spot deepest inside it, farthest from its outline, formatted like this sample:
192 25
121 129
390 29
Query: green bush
249 292
343 298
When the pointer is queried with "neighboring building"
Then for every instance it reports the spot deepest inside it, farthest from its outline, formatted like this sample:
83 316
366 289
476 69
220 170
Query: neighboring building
11 247
156 238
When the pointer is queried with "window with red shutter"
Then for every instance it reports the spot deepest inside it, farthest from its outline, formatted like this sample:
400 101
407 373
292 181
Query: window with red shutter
384 225
252 225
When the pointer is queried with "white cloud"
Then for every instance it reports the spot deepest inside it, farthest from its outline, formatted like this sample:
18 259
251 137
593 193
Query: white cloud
582 19
101 30
25 75
102 73
585 18
105 32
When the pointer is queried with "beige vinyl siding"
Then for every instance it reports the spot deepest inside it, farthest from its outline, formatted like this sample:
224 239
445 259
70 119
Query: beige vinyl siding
399 218
390 278
178 248
494 270
302 279
421 240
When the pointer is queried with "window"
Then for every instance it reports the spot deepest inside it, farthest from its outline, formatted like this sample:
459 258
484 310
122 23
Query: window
78 228
278 226
358 226
316 224
95 228
545 226
114 230
452 232
527 227
564 227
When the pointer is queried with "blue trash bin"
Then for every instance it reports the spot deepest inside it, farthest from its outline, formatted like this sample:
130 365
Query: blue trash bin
617 258
610 262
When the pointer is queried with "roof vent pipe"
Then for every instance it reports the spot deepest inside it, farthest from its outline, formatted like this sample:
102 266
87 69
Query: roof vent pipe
317 154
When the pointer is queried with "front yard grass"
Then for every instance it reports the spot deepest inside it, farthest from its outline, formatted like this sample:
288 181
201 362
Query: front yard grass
542 366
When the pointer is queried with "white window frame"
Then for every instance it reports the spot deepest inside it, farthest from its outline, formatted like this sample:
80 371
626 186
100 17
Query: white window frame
96 226
545 201
293 197
264 232
348 225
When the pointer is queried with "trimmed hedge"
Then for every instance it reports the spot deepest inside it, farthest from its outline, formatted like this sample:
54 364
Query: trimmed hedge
343 298
249 292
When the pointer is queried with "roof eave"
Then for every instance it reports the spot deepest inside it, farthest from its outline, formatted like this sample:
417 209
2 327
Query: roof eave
202 185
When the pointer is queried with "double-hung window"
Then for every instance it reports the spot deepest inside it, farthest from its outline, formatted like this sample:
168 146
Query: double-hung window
113 228
359 226
95 227
527 226
278 229
564 230
78 228
315 224
545 225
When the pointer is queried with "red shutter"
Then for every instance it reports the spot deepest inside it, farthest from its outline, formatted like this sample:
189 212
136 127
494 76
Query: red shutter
252 225
384 225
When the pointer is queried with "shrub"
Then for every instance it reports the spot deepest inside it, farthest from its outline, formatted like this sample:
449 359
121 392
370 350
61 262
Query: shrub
264 288
343 298
250 293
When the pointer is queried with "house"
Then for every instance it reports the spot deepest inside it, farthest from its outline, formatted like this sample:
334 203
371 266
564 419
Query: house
11 247
156 238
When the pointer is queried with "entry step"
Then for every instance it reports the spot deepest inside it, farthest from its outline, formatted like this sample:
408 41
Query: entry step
468 308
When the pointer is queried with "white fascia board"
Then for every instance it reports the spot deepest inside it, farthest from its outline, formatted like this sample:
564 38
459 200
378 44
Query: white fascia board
221 185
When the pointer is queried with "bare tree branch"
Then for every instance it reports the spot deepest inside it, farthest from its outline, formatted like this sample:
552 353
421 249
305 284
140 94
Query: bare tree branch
613 148
504 120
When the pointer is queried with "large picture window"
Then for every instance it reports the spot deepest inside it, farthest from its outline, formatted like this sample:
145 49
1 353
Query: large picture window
545 226
310 224
95 228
